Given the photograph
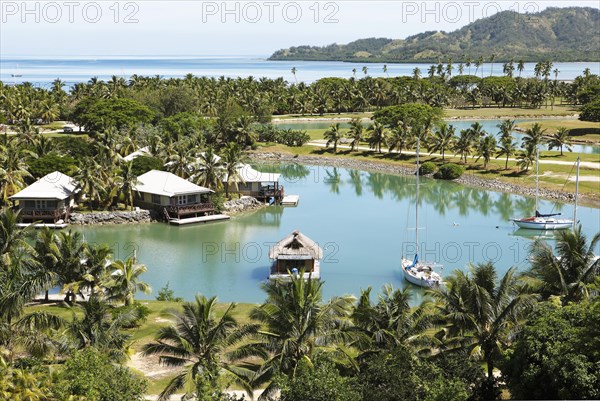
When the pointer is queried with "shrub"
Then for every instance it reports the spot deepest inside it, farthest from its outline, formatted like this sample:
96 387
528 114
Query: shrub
138 312
449 171
288 137
427 168
590 112
167 294
143 164
52 162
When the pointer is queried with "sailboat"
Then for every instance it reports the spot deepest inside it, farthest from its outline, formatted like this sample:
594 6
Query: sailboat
415 271
547 221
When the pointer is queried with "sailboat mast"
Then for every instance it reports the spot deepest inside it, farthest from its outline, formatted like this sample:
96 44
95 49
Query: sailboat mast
537 180
417 204
576 194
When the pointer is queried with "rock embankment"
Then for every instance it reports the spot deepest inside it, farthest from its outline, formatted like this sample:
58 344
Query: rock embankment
108 217
243 204
466 179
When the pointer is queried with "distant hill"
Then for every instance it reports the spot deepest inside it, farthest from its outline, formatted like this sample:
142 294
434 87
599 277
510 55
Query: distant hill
556 34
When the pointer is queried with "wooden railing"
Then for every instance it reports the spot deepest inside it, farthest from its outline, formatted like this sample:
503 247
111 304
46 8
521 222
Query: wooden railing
195 208
43 213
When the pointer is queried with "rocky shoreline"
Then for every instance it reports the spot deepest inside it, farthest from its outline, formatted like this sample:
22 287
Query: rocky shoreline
109 217
230 208
241 205
466 179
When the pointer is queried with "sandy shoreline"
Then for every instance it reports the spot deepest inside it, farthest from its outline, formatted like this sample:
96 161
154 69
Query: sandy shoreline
466 179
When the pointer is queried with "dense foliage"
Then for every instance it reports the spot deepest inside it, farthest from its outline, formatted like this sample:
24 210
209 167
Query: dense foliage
449 171
566 34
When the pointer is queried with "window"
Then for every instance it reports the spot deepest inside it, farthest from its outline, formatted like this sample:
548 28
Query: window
156 199
191 199
41 204
181 200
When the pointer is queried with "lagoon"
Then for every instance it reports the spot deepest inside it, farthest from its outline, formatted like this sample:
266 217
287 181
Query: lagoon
363 220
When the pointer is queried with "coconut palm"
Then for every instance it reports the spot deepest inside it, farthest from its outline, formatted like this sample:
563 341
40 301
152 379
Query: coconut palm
486 149
333 135
201 343
297 324
355 133
506 147
47 255
506 128
526 158
232 155
125 280
208 170
13 168
560 139
442 139
534 136
71 254
464 144
126 183
568 272
89 182
399 138
377 135
392 321
481 312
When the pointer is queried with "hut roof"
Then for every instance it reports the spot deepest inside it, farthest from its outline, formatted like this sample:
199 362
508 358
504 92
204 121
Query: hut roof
167 184
55 185
296 246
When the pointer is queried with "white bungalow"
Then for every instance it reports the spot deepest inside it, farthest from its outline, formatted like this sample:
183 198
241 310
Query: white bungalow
262 186
294 254
48 200
179 200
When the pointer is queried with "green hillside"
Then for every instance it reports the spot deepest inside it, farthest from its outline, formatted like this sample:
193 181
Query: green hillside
559 34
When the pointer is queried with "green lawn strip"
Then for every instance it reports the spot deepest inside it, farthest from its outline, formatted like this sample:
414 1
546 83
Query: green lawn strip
495 168
512 112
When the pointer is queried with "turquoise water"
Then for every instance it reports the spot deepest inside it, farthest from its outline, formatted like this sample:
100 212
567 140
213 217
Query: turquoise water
42 71
363 220
490 126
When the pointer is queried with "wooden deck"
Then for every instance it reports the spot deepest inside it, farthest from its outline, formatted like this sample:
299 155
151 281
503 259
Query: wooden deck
315 275
201 219
42 225
290 200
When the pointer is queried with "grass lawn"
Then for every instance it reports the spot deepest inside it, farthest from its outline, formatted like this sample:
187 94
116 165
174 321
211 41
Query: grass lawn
581 131
552 176
512 112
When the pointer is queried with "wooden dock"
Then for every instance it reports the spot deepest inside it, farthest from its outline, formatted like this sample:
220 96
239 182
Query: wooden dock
42 225
201 219
290 200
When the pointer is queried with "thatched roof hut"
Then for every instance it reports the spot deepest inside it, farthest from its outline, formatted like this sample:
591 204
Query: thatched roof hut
296 246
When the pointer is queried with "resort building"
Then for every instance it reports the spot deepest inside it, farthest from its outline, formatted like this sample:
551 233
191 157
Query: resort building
145 151
178 200
49 200
262 186
294 254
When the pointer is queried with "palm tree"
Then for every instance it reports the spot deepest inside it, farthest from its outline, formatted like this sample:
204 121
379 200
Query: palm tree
333 135
481 312
416 73
125 280
89 182
560 139
356 133
526 158
71 253
202 343
399 138
47 255
208 170
486 148
232 155
506 128
443 139
297 324
294 73
567 273
392 321
507 147
520 67
377 136
534 136
13 168
464 144
126 182
492 58
365 70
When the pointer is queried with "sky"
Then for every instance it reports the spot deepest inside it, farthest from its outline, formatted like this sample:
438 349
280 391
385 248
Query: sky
77 28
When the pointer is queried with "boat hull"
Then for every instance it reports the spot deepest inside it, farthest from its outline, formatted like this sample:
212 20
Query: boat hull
544 224
417 276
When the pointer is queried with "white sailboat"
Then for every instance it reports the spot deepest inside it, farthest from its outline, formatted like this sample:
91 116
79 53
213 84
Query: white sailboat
547 221
415 271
